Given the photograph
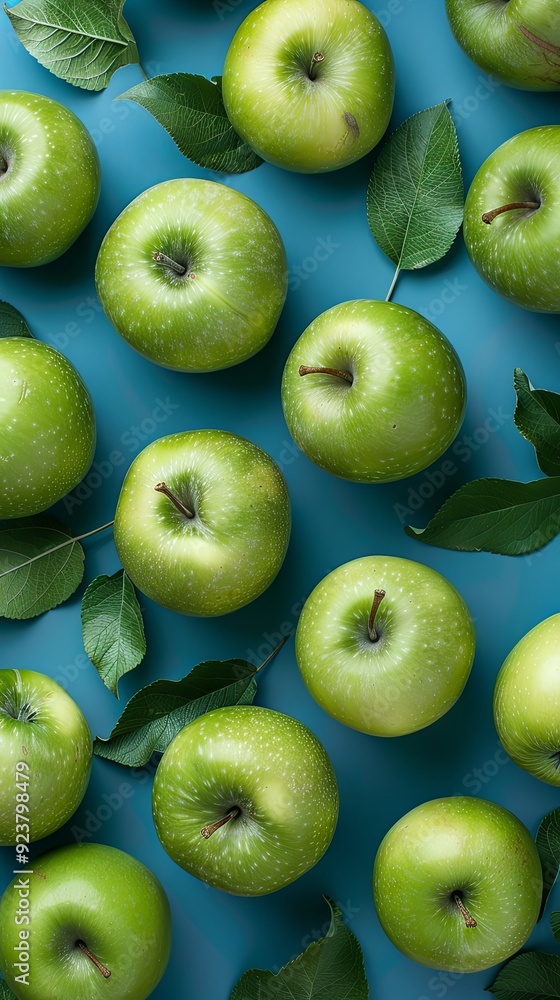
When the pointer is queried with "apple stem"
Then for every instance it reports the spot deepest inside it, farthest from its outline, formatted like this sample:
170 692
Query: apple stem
207 831
307 370
163 488
469 921
372 631
104 972
162 258
317 58
271 656
489 217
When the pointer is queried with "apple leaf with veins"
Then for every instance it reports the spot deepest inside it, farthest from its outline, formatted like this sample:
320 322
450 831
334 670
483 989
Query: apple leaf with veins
113 628
329 969
5 992
12 323
548 844
41 565
530 976
537 418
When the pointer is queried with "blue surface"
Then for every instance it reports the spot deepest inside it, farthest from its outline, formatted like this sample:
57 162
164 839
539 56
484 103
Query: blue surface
217 937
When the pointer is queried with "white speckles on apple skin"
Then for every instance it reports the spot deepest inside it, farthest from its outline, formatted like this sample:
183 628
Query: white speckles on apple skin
47 427
460 844
275 770
51 187
227 310
421 662
404 407
231 551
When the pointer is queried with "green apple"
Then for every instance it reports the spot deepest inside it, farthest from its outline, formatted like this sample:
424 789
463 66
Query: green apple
46 752
193 275
203 522
88 923
245 799
385 645
49 178
310 85
458 884
47 427
517 41
372 392
512 216
527 702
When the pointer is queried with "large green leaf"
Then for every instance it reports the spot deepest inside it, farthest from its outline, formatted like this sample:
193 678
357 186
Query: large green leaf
496 515
191 109
81 41
530 976
548 844
113 628
12 323
415 195
41 565
537 416
329 969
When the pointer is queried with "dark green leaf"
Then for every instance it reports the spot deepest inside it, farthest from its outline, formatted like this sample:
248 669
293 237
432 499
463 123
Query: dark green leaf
12 323
415 194
191 109
5 992
331 968
537 417
530 976
159 711
548 844
496 515
112 627
41 565
81 41
555 924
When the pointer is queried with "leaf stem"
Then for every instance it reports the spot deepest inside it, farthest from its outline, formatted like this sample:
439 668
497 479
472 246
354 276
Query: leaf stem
489 217
389 295
55 548
312 370
104 972
143 71
372 631
271 656
207 831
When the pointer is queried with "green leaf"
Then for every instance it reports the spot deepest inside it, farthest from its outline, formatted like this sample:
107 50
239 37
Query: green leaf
191 109
12 324
5 991
537 417
548 844
159 711
41 565
496 515
329 969
530 976
81 41
555 923
415 195
113 628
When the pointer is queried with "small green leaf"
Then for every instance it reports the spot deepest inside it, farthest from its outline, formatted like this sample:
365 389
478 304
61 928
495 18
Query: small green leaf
113 628
415 196
191 109
12 323
331 968
530 976
5 991
41 565
83 43
548 844
537 417
496 515
159 711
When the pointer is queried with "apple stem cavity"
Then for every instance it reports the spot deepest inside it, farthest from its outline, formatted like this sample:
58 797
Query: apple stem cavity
3 165
104 972
162 258
163 488
207 831
316 59
469 921
489 217
307 370
372 631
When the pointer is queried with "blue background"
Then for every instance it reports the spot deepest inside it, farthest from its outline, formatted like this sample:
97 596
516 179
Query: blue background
217 937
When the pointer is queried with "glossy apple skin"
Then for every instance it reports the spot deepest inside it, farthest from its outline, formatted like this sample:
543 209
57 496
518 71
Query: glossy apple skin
225 308
514 41
233 548
404 406
43 728
274 770
51 188
527 702
418 667
303 124
47 427
458 845
98 895
519 253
